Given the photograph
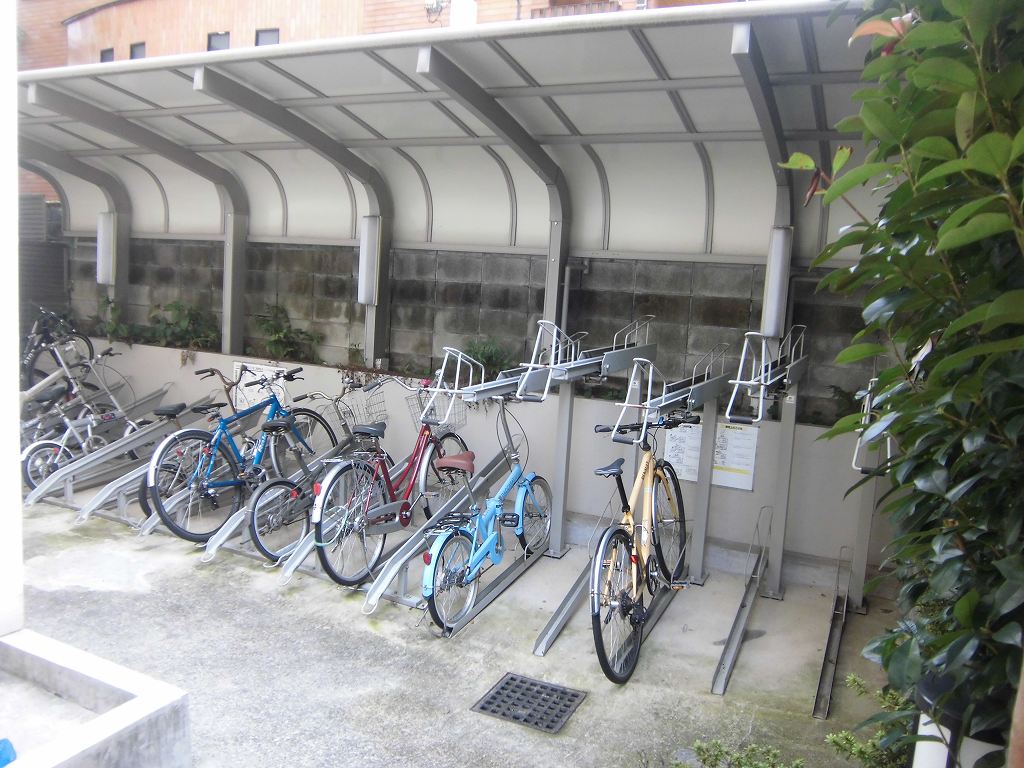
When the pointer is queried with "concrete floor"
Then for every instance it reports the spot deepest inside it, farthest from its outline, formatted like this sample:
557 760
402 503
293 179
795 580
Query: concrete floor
297 675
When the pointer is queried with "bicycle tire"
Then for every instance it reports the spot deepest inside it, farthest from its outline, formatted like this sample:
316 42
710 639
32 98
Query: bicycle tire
43 361
669 529
143 498
435 484
278 517
451 600
41 459
616 635
197 512
316 432
536 514
347 553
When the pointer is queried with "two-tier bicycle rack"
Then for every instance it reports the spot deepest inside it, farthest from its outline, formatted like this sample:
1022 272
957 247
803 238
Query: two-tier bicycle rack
769 370
558 361
701 390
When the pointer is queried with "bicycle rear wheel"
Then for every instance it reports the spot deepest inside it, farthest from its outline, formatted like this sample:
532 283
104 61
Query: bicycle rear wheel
438 486
453 597
279 517
616 635
42 459
194 487
317 437
347 551
536 516
73 349
669 531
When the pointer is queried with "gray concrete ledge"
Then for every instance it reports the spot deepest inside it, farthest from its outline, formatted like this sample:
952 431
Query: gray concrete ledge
139 720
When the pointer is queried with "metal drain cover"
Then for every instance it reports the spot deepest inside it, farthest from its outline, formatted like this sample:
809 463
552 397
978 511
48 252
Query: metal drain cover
526 701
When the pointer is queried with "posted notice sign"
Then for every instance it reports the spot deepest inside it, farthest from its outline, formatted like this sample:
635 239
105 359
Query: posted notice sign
735 452
244 396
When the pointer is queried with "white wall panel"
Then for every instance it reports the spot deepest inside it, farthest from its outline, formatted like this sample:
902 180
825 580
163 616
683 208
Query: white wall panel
147 202
85 201
587 229
533 215
657 194
410 222
470 196
744 198
265 205
318 201
194 203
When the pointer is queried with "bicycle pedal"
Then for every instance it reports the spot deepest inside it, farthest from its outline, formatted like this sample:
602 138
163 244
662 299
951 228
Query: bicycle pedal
679 585
509 519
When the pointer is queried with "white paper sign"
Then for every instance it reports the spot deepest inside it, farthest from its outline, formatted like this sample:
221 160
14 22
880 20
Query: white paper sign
735 452
248 396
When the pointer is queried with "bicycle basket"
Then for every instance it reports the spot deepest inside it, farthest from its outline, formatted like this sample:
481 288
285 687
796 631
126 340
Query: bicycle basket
374 407
438 409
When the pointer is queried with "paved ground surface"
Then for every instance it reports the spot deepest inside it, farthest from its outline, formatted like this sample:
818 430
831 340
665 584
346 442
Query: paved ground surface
297 675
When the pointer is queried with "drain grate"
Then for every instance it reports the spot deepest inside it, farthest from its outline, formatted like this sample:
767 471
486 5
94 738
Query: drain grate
526 701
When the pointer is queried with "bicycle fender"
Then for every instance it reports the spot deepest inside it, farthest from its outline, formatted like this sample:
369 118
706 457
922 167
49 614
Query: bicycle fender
435 549
318 501
524 488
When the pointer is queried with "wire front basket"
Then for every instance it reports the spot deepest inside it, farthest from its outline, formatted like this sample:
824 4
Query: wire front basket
427 407
374 407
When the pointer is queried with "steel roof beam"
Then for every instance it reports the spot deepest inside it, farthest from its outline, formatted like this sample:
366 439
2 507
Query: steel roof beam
234 200
443 73
118 201
230 91
46 175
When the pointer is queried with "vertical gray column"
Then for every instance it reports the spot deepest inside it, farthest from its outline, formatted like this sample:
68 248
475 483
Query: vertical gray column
771 586
859 564
706 465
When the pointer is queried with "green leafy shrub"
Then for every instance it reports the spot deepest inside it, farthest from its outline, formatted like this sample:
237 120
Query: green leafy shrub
889 745
182 326
285 342
492 355
942 269
714 754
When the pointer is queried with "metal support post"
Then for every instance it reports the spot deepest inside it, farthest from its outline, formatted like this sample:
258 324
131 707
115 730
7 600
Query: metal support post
772 586
709 430
560 478
859 564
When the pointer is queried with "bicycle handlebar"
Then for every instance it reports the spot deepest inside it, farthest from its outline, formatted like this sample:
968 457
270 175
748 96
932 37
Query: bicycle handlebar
666 422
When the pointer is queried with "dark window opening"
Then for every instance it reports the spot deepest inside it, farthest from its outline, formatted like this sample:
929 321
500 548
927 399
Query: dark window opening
107 54
268 36
137 51
218 41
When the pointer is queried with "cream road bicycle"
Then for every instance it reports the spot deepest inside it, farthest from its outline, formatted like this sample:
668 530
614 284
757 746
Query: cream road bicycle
644 551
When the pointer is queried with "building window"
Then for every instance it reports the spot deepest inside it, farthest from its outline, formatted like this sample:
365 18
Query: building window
268 36
137 51
107 54
218 41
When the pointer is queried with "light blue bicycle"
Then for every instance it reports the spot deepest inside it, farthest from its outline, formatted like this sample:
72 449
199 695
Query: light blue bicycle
471 539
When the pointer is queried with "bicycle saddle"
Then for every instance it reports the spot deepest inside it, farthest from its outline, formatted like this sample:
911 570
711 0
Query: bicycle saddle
211 408
370 430
169 411
55 392
459 462
279 425
612 470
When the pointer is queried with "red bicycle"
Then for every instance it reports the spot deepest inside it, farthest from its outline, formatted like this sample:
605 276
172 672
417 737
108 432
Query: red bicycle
362 500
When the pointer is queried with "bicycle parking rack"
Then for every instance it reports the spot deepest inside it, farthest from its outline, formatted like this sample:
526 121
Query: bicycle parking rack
702 389
840 606
231 526
108 461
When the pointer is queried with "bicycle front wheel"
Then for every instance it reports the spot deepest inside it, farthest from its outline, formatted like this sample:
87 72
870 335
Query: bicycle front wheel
193 486
347 550
312 436
453 596
279 517
42 459
536 514
669 530
616 635
437 486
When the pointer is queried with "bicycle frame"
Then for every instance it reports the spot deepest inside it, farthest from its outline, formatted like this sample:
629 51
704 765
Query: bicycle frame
641 534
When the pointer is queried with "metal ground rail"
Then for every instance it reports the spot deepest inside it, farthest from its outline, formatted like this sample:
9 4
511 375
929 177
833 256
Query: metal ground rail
837 623
106 463
231 526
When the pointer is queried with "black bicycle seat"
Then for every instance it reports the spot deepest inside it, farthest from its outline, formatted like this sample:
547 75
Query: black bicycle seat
612 470
169 411
211 408
370 430
275 426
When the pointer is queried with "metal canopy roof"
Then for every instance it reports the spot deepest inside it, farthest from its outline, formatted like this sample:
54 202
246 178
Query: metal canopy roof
650 117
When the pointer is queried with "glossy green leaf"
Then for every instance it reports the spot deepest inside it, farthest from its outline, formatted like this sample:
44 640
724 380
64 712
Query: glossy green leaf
1008 598
855 177
1011 568
880 66
904 665
957 7
1009 634
1017 149
965 356
841 157
966 115
982 226
857 352
931 34
878 428
961 488
981 19
990 154
799 161
850 124
934 482
944 74
963 610
973 317
881 120
1008 308
964 212
844 425
945 169
935 148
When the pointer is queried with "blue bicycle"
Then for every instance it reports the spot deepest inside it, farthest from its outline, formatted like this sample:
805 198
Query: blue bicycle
469 540
198 479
